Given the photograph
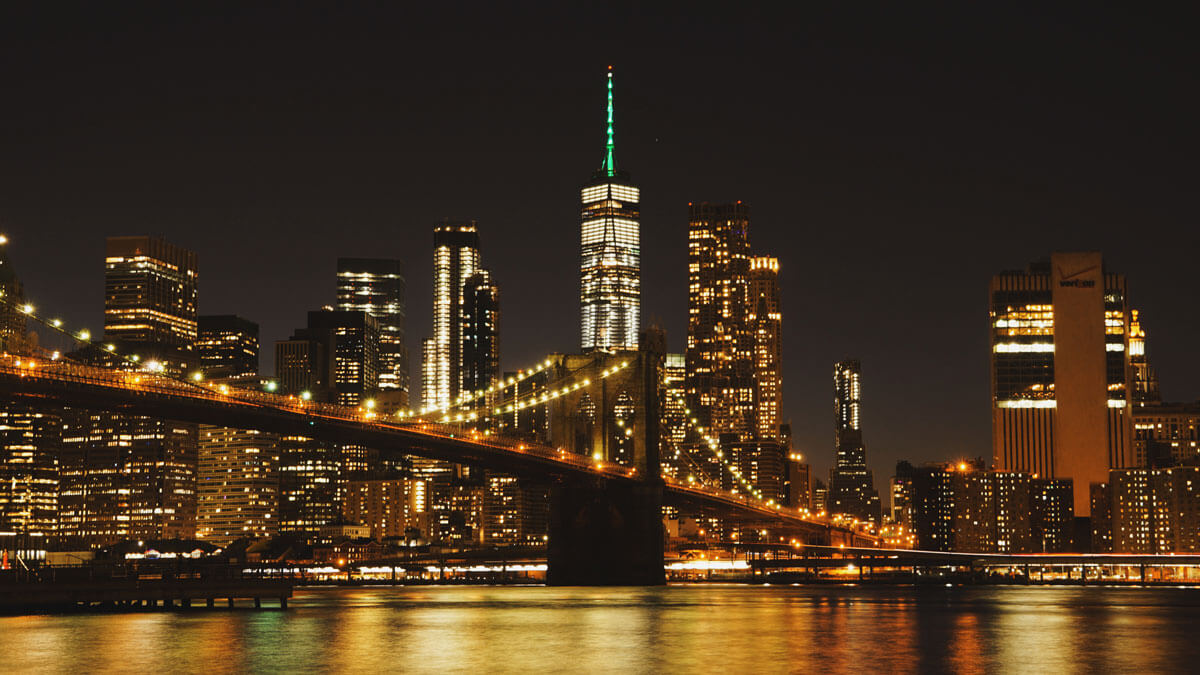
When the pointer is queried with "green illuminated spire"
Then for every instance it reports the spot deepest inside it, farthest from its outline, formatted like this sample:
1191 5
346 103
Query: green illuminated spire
609 166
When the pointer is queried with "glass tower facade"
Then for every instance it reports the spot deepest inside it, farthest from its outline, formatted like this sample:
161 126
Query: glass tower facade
610 293
376 286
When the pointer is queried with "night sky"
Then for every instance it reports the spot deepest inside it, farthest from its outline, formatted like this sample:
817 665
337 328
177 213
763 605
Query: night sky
894 160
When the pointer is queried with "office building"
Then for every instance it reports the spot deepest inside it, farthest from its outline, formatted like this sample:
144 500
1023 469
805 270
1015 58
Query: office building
30 440
720 349
126 477
150 288
311 486
851 485
237 485
12 298
376 286
334 359
764 321
227 347
1060 372
131 476
610 293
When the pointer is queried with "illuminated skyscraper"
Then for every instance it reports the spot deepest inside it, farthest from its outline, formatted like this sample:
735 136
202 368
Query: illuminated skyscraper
481 332
376 286
149 292
130 476
765 323
720 349
227 347
851 485
455 259
1060 372
610 291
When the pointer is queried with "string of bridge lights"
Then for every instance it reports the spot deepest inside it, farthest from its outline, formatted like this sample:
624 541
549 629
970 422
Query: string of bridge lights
715 446
535 398
84 336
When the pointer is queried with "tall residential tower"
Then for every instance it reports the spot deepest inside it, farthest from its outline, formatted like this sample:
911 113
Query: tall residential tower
610 292
851 485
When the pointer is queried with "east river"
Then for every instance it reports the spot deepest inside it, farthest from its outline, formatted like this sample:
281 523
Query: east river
693 629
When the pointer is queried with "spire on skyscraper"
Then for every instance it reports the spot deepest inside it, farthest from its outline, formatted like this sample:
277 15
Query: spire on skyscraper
609 166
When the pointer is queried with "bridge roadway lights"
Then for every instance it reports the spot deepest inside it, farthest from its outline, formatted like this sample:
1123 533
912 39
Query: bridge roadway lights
605 534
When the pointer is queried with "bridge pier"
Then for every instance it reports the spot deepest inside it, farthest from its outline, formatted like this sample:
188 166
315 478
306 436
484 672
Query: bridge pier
605 534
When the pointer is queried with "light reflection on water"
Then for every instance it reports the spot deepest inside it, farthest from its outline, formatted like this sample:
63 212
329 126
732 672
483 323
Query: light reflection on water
702 628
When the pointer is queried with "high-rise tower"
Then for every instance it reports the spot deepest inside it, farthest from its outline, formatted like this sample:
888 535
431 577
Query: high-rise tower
455 260
1061 394
764 320
851 486
610 293
376 286
720 349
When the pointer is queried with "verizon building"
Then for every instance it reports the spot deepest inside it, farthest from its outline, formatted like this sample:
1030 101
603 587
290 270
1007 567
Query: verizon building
1060 372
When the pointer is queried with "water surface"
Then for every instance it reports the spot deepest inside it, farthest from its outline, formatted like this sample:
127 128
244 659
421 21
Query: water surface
695 628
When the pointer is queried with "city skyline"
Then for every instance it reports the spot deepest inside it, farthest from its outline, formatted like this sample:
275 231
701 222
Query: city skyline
951 277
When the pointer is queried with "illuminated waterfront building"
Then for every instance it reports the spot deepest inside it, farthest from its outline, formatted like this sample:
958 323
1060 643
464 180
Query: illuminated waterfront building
720 349
237 486
765 323
130 476
150 288
29 438
30 442
227 347
1051 515
237 489
376 286
962 507
516 512
1060 362
394 508
311 486
1148 511
456 259
610 291
126 477
851 484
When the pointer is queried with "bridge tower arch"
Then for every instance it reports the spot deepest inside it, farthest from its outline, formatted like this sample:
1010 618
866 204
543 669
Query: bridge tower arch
605 532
